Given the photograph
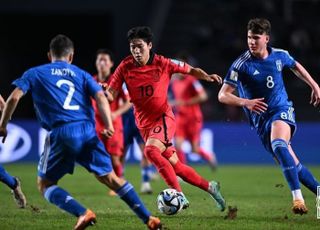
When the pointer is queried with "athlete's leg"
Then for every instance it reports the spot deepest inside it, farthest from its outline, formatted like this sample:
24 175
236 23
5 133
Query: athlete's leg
209 157
15 185
146 171
305 176
178 141
127 193
188 174
152 151
280 137
117 165
98 162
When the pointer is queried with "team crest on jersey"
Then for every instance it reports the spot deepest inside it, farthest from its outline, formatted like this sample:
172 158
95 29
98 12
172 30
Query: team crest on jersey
155 73
279 65
234 75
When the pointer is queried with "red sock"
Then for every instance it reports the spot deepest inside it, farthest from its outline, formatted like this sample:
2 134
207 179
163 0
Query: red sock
118 170
163 166
189 175
181 155
205 155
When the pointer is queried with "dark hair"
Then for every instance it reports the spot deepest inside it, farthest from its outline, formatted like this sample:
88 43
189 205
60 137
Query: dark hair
61 46
105 51
259 26
142 32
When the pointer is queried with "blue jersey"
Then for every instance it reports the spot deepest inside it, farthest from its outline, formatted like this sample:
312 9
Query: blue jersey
261 78
61 93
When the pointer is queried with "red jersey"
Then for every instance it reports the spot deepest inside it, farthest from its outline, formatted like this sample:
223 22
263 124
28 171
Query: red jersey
148 85
114 105
184 89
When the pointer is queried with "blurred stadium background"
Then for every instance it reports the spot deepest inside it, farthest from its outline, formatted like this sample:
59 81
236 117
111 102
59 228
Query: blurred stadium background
212 32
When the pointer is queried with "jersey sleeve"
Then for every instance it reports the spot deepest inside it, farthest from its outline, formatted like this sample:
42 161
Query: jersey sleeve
288 60
117 78
24 83
197 86
232 77
92 86
176 66
125 92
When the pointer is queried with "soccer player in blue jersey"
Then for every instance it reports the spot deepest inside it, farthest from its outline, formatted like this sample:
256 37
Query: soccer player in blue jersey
12 182
61 94
257 76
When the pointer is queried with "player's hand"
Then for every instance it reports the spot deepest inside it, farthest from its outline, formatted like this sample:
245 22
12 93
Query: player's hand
108 132
213 78
3 134
315 97
256 105
108 95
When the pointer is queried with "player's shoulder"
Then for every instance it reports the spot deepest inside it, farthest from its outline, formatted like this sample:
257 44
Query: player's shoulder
280 53
241 60
127 60
279 50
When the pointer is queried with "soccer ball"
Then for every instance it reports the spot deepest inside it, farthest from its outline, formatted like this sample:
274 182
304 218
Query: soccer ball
169 201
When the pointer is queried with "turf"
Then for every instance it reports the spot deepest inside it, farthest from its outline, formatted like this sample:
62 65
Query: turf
259 193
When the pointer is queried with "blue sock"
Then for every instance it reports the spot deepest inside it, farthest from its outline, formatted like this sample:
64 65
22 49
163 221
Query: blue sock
280 149
129 195
145 172
307 179
63 200
7 178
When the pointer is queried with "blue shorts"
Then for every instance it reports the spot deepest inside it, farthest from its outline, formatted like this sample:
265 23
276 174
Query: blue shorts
69 144
130 130
286 114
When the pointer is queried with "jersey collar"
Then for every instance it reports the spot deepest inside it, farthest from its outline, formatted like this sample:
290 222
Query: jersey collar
150 58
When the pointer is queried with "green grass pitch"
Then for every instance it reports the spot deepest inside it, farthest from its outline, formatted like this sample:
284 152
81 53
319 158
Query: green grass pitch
260 194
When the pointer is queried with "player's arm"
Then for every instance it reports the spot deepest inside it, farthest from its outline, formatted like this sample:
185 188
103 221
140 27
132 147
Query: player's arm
200 98
226 95
122 109
2 103
303 74
112 94
8 110
105 112
202 75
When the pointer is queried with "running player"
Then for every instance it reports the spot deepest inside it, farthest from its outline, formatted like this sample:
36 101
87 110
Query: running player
188 94
12 182
257 75
147 77
62 94
114 145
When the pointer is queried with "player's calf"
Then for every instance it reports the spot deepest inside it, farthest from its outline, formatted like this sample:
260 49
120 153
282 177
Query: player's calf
127 193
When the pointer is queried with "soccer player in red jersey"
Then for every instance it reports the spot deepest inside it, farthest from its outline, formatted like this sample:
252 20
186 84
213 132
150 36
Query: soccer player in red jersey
147 76
115 144
189 93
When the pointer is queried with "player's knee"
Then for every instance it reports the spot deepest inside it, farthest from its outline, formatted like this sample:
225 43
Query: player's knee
278 143
43 185
111 180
